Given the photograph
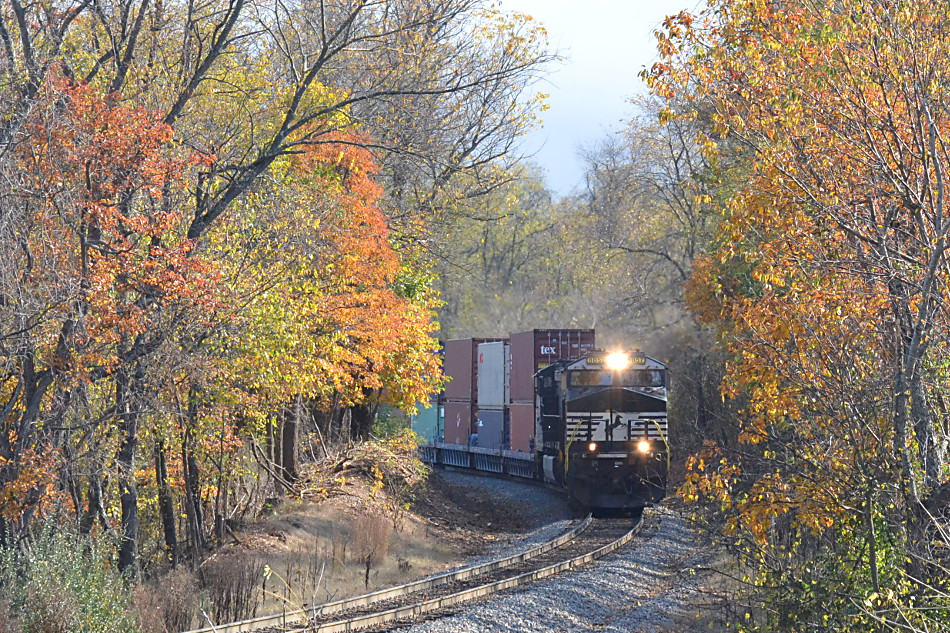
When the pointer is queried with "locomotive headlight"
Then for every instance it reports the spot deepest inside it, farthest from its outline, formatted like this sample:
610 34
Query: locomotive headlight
617 361
592 447
643 446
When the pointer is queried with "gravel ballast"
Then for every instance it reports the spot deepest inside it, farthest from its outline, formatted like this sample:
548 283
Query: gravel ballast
544 510
643 587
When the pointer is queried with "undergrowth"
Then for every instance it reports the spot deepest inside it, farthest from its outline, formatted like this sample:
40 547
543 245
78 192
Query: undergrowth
63 583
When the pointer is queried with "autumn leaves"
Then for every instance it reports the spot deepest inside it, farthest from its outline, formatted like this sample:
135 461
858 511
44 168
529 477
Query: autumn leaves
828 284
211 231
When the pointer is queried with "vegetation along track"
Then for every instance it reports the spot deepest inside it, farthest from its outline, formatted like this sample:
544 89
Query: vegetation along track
591 539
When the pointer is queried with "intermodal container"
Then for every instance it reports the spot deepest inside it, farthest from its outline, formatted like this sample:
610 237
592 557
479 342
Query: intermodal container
492 427
522 431
492 375
536 349
459 423
460 368
426 420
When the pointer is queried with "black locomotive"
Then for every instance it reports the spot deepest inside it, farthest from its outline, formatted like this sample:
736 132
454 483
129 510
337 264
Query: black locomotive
603 429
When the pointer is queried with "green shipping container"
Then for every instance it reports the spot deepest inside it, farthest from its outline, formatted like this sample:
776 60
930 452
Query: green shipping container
427 421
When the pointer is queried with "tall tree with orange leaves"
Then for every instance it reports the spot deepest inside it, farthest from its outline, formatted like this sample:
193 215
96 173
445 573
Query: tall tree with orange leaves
829 287
99 266
318 310
135 136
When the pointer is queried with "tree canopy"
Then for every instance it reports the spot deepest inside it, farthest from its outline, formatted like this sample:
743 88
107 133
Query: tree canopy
212 236
828 285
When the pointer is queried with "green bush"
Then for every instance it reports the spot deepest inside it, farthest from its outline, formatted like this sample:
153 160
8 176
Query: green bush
390 422
62 583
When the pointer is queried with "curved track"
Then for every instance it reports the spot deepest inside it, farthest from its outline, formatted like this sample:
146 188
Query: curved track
591 539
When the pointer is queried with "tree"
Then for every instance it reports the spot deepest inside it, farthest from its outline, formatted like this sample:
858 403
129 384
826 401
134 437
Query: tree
493 261
207 107
97 266
648 193
319 313
829 286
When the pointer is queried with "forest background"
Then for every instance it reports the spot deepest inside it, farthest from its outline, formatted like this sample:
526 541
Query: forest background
228 227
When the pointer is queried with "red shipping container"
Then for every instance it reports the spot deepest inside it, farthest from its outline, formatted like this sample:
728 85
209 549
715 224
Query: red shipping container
536 349
458 422
522 427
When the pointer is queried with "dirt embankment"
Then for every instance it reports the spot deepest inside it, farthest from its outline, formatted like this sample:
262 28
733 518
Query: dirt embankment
364 521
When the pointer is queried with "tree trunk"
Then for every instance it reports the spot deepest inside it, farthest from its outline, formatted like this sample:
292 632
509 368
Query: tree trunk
361 422
88 518
127 408
362 416
166 505
274 443
288 441
193 507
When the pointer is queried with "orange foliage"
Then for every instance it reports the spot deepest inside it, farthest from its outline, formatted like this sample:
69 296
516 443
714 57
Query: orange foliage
100 171
828 281
103 257
34 484
325 320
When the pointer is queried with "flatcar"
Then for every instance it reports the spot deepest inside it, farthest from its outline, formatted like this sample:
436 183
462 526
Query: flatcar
602 423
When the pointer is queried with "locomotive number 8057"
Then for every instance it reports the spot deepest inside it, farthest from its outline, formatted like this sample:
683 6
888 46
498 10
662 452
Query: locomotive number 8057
603 427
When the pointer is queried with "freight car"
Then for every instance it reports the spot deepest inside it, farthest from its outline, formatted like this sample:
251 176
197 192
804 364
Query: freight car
603 424
590 421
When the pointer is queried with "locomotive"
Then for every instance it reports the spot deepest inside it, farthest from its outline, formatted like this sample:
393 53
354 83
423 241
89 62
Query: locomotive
603 424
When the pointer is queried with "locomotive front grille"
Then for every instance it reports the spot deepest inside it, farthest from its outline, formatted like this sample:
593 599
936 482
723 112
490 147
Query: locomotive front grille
631 427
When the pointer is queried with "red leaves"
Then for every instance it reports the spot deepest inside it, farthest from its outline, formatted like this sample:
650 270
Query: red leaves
100 172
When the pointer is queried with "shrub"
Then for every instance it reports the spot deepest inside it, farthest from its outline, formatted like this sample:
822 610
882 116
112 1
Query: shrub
9 623
169 606
233 585
63 583
371 541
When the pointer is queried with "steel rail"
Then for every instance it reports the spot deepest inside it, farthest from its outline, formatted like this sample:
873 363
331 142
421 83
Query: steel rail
413 611
298 615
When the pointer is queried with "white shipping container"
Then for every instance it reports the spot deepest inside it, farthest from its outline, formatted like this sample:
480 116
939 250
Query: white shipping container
493 367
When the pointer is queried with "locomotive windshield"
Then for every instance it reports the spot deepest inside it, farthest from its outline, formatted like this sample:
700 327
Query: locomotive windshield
589 378
627 378
649 378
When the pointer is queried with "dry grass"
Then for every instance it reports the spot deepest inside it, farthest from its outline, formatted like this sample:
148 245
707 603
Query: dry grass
233 583
371 537
313 552
170 606
316 546
8 622
371 541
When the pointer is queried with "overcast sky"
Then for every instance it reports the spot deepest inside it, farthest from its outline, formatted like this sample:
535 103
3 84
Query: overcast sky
606 43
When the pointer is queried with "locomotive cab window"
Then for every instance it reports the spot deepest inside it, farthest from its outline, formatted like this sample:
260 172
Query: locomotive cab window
590 378
651 378
643 378
627 378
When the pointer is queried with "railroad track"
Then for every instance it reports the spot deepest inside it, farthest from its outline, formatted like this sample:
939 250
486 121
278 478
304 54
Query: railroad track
591 539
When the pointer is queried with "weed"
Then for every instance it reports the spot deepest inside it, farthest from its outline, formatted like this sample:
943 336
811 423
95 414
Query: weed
371 541
232 585
170 606
9 623
64 583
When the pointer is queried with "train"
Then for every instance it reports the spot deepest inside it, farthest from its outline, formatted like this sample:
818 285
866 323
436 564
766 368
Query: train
591 420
